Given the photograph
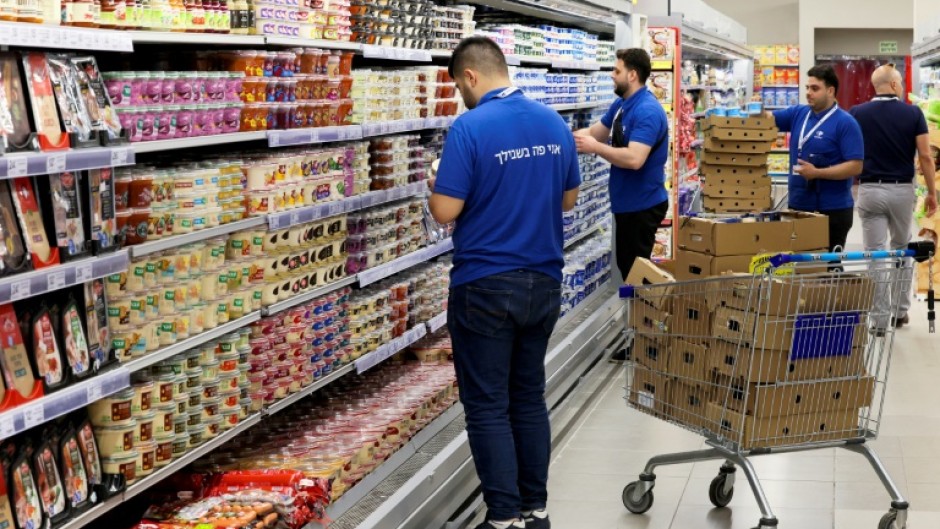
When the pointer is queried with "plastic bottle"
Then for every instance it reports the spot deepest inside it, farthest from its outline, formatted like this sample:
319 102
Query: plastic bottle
239 17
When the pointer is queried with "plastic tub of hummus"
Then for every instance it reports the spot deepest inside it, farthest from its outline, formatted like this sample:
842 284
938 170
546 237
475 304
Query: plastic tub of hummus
121 464
115 440
114 410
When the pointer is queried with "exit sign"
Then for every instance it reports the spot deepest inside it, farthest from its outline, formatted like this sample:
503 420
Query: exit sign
888 46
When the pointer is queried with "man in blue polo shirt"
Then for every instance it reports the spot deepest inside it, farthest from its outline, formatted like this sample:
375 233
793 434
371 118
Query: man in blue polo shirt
826 153
508 170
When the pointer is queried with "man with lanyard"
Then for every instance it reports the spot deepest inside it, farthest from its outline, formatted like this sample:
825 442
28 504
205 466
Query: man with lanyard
638 131
894 132
826 155
508 170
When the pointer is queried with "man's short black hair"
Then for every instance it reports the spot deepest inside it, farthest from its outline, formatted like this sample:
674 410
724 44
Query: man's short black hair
638 60
826 74
480 54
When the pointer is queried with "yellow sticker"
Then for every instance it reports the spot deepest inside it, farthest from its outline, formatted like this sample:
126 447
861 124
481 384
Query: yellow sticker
760 263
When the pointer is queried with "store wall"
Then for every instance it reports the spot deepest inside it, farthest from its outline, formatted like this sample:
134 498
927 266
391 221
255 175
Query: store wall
767 21
926 19
864 42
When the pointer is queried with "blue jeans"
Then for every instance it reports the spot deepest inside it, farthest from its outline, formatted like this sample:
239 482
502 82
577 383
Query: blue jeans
500 326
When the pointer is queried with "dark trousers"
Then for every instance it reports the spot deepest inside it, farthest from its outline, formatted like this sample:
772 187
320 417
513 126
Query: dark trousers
499 328
840 223
636 235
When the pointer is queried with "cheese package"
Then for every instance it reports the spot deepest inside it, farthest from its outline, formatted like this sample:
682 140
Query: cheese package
31 221
13 255
42 102
18 375
15 125
61 200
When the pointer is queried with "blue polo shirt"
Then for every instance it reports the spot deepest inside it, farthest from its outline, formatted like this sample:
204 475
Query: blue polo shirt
891 128
510 160
837 140
644 121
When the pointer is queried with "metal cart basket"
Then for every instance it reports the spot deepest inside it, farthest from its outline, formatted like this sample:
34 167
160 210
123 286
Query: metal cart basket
795 357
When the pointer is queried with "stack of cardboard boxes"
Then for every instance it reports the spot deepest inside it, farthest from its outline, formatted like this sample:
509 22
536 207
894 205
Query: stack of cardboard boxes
709 356
734 165
709 247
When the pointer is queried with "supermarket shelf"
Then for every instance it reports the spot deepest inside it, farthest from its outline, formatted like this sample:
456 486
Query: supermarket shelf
587 16
437 322
584 234
29 284
41 163
215 39
575 65
696 144
709 88
699 115
285 403
392 127
594 183
93 513
286 219
193 341
175 241
370 51
778 174
63 37
387 350
201 141
285 138
579 106
388 269
779 86
780 65
775 107
74 397
191 456
307 296
313 43
690 173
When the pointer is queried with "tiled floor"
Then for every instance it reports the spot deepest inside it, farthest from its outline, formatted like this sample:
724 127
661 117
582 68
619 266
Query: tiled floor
822 489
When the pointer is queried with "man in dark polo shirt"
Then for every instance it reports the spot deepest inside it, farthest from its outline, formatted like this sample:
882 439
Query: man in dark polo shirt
893 132
508 170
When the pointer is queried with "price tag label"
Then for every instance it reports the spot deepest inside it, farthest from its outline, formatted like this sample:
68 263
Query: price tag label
274 140
119 157
20 290
513 60
336 208
94 393
55 163
7 428
55 281
83 273
33 415
294 218
17 166
274 222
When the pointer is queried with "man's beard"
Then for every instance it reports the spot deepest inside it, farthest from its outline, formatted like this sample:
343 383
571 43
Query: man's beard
620 90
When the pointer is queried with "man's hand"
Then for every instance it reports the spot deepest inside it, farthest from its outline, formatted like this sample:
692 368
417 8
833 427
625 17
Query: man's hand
930 204
587 144
806 169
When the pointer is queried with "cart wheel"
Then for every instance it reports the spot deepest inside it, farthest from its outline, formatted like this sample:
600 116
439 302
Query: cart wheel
716 491
889 521
641 506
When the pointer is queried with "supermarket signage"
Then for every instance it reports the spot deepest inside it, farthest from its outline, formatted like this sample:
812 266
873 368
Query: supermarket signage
888 46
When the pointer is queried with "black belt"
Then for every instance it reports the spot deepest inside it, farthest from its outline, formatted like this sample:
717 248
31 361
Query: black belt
885 181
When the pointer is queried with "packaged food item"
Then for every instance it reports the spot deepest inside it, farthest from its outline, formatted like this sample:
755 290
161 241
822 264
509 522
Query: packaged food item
34 229
114 410
77 488
101 219
47 352
49 481
42 99
74 114
662 43
14 116
13 256
27 504
17 371
96 97
6 510
90 455
96 319
63 199
75 341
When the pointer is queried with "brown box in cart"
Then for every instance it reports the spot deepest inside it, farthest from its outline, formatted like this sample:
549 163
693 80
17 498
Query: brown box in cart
695 265
648 320
736 205
714 237
689 403
649 391
713 144
749 135
691 319
810 230
781 296
651 353
735 361
720 190
733 159
688 360
798 398
774 332
753 122
736 175
783 429
646 273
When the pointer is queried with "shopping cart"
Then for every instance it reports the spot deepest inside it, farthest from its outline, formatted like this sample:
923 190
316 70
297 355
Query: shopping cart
792 358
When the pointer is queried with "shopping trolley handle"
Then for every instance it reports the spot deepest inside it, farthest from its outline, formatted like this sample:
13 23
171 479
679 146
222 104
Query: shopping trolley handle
627 291
919 250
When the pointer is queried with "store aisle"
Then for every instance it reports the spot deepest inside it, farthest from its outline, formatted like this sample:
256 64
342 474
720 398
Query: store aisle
824 489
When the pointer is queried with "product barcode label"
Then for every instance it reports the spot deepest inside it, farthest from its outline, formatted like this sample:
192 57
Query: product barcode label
17 166
119 156
94 393
55 163
55 280
83 273
20 290
33 415
7 428
336 208
294 218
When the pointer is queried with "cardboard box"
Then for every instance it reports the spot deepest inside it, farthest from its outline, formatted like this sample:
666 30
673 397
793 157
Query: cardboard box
649 391
736 174
736 205
691 319
695 265
688 360
734 361
782 296
810 230
783 430
713 144
651 352
749 123
781 52
798 398
733 159
645 273
743 192
689 404
751 135
815 336
714 237
649 320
